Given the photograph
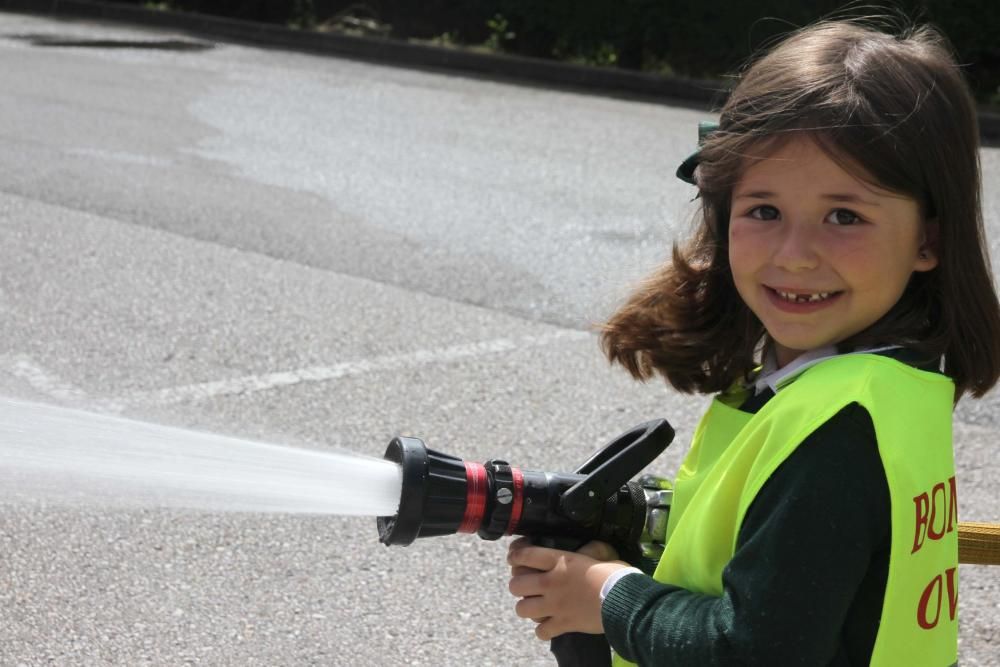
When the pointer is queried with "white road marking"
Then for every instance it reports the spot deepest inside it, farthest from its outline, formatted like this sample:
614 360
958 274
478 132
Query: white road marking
120 156
253 383
42 380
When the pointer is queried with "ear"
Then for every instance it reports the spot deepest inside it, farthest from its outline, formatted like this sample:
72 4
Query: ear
929 250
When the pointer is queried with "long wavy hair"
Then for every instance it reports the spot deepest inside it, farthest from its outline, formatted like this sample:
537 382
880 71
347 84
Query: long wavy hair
898 107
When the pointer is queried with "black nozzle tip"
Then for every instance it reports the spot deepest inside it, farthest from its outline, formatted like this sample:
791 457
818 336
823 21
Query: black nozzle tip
432 497
403 528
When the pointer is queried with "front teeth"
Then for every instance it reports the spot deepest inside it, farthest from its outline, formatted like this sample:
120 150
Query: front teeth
804 298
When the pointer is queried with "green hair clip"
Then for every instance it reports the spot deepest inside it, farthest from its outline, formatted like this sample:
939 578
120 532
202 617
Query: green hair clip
685 172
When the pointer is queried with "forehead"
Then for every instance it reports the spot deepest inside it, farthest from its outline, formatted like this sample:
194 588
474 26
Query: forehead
801 159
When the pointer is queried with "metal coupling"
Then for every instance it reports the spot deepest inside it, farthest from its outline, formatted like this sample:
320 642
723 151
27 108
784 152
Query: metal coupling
659 492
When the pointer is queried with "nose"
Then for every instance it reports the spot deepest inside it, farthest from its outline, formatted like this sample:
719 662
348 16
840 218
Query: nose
798 248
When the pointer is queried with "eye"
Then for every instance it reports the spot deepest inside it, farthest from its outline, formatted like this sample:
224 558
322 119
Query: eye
843 216
764 213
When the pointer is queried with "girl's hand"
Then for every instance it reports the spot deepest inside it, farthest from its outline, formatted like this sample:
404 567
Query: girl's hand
560 590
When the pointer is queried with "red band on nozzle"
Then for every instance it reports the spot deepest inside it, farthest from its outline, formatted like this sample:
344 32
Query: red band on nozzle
475 497
515 510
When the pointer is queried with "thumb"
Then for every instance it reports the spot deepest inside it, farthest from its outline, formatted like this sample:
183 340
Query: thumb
598 550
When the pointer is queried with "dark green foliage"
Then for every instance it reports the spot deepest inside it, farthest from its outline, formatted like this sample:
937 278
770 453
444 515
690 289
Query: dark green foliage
973 26
684 37
269 11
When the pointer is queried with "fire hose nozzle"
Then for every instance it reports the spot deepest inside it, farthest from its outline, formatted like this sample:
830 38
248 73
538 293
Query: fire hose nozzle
443 495
433 496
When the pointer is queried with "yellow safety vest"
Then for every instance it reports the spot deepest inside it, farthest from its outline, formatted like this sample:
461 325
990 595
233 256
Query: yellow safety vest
734 453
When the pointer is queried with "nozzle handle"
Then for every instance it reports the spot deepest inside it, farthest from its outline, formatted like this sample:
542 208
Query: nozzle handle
612 466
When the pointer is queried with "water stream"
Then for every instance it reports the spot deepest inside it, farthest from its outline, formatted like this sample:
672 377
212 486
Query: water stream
56 455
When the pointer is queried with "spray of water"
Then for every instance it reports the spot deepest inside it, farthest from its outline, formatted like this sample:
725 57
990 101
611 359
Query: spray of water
60 456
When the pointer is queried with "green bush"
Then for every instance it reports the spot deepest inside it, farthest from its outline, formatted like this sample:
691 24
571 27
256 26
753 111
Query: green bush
973 26
713 39
695 39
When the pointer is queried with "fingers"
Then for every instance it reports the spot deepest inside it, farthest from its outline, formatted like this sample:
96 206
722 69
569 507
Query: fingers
518 570
553 586
598 550
525 585
534 607
548 629
537 558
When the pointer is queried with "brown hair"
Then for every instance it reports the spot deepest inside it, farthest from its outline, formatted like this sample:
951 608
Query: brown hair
898 107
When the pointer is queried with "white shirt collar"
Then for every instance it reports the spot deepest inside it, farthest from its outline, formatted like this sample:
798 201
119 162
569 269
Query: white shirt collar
774 378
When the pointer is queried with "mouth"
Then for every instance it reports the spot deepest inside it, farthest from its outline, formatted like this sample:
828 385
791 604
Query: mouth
798 296
801 299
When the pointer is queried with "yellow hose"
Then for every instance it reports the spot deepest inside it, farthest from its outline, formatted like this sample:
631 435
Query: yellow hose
978 543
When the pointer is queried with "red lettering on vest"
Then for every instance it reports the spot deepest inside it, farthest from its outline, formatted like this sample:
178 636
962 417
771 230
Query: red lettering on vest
933 590
952 504
922 606
923 506
952 592
936 513
936 502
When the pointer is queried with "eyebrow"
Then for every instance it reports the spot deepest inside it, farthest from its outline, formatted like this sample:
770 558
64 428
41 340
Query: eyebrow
833 196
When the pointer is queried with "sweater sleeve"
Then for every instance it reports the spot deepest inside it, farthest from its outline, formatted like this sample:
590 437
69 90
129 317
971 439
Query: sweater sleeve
804 554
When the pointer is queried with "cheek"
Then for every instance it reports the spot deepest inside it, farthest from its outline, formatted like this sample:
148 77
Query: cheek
744 259
744 249
862 259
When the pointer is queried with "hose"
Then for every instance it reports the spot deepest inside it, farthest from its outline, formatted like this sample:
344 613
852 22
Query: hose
978 543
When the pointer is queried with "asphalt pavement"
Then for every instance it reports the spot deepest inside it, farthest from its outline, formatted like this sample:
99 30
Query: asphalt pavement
184 221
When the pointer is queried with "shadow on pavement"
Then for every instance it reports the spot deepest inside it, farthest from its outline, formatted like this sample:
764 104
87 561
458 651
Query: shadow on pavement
76 42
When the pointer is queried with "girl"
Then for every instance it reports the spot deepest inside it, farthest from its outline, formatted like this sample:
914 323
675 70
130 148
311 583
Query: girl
838 294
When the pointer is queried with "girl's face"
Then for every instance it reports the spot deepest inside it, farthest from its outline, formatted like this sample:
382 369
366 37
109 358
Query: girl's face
817 254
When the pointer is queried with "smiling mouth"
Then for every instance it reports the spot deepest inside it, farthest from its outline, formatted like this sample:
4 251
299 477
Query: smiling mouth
802 297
